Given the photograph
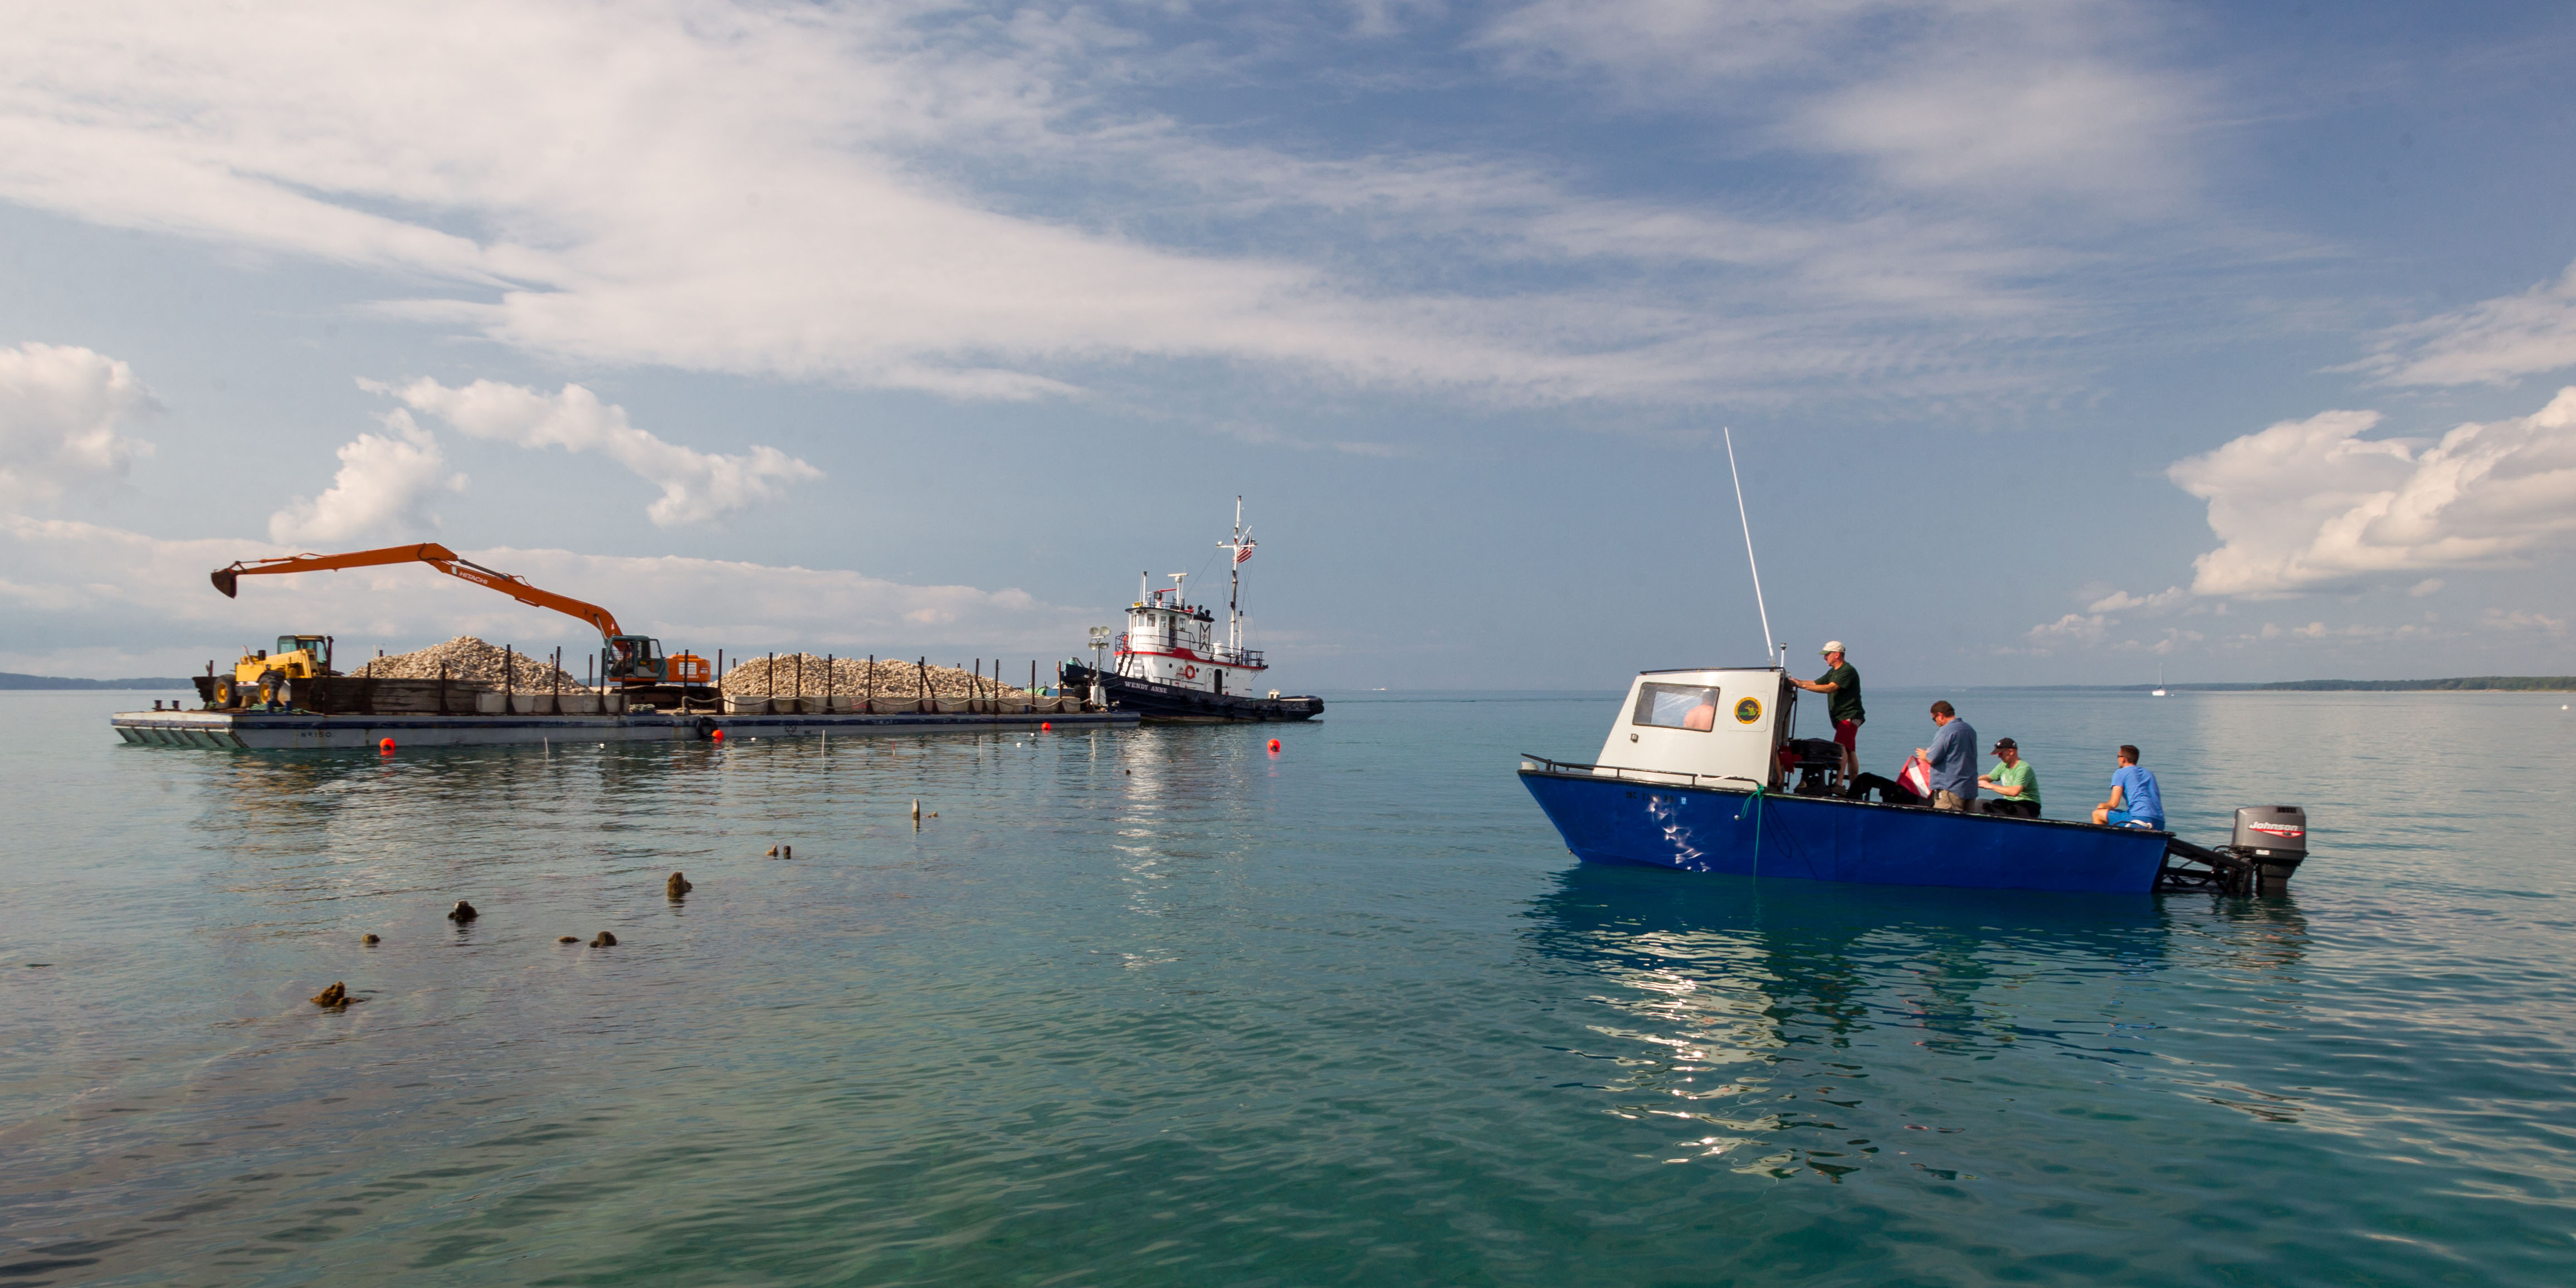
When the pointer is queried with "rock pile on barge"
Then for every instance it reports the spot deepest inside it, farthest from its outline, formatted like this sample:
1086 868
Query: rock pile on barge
806 675
467 660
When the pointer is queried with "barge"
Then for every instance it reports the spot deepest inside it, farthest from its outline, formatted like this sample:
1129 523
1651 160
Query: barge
254 730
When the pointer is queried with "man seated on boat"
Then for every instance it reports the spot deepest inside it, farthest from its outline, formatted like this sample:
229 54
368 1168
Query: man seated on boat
2014 780
1842 685
1952 760
2135 799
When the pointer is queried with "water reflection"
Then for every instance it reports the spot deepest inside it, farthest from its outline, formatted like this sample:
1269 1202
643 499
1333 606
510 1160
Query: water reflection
1757 1013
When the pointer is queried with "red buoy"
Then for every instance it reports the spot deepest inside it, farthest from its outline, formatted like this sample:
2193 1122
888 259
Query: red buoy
387 746
717 736
1274 746
1045 726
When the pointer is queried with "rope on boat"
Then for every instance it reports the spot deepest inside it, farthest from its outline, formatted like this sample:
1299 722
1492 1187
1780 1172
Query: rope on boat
1754 805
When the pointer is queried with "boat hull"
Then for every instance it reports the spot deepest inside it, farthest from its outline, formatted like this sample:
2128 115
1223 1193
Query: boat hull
1706 829
1169 704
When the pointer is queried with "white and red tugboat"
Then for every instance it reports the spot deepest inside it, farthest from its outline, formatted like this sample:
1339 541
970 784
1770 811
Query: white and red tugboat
1169 667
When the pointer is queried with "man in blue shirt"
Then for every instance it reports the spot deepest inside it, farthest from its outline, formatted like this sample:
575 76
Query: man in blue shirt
1952 759
2135 800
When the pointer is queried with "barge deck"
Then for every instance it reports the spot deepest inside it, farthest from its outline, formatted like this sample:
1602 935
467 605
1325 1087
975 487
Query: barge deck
298 731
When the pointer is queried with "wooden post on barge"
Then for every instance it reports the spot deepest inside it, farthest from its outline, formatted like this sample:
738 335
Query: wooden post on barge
921 685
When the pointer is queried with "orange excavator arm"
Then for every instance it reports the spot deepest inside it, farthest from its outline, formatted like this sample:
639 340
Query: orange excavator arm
436 556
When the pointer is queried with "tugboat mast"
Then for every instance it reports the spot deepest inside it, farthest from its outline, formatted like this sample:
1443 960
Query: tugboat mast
1242 547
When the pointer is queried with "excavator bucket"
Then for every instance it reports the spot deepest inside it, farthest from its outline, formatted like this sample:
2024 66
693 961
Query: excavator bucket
225 579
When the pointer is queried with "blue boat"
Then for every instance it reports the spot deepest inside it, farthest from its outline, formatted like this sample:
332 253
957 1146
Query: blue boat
1699 774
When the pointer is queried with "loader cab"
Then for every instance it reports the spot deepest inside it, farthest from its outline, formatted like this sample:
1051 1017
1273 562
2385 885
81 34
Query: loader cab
316 648
297 657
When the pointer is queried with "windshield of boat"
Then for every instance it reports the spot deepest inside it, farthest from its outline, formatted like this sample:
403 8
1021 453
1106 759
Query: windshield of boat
1677 706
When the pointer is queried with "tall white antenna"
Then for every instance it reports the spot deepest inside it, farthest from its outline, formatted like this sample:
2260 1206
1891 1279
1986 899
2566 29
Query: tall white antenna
1748 541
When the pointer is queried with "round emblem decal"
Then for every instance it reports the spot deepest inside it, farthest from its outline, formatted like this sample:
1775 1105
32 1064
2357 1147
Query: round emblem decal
1748 710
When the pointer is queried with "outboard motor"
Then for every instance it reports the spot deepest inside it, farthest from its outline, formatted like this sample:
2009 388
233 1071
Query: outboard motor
2270 843
2274 839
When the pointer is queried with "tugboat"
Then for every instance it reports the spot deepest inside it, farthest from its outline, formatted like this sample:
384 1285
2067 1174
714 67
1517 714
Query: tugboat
1170 670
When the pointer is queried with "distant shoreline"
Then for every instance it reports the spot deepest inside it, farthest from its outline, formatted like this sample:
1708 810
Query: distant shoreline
13 680
2460 684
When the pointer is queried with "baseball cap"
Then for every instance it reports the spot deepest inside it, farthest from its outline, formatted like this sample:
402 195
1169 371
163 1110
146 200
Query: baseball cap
2001 743
1831 646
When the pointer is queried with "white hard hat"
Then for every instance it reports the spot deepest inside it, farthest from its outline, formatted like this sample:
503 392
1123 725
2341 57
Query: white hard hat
1831 646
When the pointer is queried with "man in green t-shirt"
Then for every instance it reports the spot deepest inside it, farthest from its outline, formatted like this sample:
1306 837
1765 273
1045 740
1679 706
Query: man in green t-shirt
2014 780
1842 684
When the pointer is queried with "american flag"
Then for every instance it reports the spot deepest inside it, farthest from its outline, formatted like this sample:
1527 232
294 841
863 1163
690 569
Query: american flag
1242 552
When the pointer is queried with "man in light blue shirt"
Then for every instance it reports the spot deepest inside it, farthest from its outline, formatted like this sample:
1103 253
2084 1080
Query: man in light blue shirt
2135 801
1952 760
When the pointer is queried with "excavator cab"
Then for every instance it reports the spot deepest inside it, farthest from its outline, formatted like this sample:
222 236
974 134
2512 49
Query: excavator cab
631 659
638 659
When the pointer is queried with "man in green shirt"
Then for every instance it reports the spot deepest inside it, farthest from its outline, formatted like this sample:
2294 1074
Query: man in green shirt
2014 780
1842 684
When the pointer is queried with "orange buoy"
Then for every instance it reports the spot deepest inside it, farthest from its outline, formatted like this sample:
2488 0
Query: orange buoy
717 736
1274 746
386 746
1045 726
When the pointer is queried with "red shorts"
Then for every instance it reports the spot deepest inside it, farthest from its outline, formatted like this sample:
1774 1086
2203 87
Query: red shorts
1847 732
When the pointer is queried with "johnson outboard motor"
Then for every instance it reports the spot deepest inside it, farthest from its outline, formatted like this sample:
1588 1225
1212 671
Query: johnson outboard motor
2270 843
2274 839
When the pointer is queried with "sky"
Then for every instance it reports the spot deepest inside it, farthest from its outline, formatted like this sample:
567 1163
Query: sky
2071 342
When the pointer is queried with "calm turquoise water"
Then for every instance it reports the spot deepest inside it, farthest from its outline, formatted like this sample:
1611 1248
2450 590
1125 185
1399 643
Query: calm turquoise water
1156 1007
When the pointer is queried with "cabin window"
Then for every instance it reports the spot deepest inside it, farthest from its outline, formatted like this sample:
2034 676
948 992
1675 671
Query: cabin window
1677 706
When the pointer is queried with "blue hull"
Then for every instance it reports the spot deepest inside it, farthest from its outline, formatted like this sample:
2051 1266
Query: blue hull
1697 829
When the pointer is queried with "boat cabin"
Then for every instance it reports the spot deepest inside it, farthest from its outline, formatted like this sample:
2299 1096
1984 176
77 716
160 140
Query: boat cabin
1722 724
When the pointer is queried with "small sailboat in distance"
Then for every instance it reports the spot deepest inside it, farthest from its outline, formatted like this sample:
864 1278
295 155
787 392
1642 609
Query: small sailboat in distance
2160 681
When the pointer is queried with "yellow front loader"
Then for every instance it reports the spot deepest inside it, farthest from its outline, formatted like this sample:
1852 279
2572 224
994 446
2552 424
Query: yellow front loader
262 676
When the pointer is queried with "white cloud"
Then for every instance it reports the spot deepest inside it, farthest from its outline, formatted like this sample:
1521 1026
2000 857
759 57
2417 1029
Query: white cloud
2498 619
384 487
2072 629
697 487
2123 601
1982 99
2428 586
2311 504
794 190
146 599
2490 342
61 407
